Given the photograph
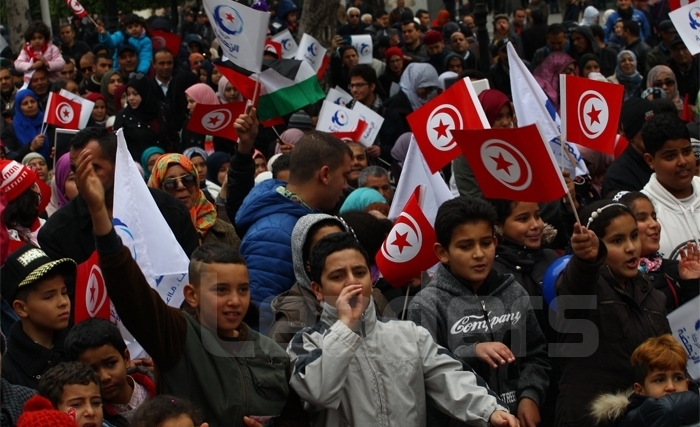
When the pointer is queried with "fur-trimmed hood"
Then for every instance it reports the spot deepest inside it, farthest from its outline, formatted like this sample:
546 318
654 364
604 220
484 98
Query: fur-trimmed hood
610 407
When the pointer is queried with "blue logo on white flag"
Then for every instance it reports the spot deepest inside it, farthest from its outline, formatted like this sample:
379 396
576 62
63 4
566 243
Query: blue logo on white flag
228 19
313 49
364 49
694 18
340 118
286 44
120 226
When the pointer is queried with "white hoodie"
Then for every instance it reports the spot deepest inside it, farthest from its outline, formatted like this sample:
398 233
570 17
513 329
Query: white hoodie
679 224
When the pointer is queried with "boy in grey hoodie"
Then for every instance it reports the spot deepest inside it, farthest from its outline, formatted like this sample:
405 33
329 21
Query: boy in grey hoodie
483 317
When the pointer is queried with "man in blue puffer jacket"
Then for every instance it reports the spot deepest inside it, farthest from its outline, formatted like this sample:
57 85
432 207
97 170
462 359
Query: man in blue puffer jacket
318 171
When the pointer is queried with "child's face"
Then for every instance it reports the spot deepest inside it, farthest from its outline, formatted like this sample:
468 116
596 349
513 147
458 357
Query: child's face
624 247
48 306
524 225
292 17
222 297
341 269
659 383
134 30
111 368
37 41
649 227
674 165
471 252
85 400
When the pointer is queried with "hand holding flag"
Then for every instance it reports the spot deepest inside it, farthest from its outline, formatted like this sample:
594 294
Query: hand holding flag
62 112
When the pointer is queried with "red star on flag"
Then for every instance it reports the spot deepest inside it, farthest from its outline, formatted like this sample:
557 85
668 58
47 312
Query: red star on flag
229 17
401 241
502 163
441 129
92 293
593 114
214 120
65 112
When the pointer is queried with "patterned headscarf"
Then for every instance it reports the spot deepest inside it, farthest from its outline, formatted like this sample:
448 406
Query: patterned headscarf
203 212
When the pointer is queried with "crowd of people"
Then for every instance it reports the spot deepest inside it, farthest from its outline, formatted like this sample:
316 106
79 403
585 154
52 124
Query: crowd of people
287 320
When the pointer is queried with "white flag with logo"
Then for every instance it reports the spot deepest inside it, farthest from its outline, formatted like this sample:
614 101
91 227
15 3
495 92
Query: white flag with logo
240 30
532 106
338 96
685 325
289 46
363 45
334 118
416 172
374 122
86 107
687 22
311 51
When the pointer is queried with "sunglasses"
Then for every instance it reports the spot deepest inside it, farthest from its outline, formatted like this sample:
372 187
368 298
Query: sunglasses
171 185
137 76
662 83
86 69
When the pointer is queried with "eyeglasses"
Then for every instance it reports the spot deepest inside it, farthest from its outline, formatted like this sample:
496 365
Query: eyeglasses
137 76
351 86
171 185
662 83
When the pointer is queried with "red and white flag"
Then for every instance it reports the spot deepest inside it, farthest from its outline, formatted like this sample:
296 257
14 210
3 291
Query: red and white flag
353 135
432 124
590 112
163 39
513 164
274 47
408 249
91 298
62 112
677 4
77 9
216 120
243 83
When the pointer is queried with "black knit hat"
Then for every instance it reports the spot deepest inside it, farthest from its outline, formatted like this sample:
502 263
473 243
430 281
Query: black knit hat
635 112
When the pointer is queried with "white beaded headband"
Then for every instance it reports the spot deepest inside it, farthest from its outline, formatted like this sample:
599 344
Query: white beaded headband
596 213
619 195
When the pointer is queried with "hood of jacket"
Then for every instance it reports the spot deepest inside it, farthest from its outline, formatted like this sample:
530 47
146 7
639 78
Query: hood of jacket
445 281
284 7
299 236
588 34
194 38
664 198
264 201
610 407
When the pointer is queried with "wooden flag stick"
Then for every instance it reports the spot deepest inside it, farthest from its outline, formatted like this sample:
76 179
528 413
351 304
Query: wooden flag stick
573 207
277 133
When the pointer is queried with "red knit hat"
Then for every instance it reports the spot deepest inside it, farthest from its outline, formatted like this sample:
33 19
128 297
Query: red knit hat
15 178
393 51
432 37
38 412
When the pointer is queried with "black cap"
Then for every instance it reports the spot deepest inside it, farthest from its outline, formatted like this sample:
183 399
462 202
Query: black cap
677 40
666 27
27 265
635 112
124 48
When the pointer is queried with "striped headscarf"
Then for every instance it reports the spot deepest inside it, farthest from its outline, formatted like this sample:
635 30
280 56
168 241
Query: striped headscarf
202 212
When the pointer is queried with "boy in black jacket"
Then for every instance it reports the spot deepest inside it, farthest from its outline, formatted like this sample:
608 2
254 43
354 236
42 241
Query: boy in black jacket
483 317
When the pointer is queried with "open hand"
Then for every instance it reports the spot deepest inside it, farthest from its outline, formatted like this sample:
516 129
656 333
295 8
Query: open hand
246 126
350 304
89 184
689 264
585 243
503 419
494 353
528 413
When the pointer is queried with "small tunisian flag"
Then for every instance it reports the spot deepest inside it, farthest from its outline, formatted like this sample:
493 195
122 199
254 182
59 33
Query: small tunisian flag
163 39
91 298
590 112
354 135
512 164
76 8
62 112
408 249
216 120
432 124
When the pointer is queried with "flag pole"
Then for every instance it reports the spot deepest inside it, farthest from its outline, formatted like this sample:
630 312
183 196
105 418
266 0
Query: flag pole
277 133
573 207
255 91
405 302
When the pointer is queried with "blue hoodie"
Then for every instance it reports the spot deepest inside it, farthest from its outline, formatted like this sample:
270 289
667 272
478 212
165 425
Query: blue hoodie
141 44
266 220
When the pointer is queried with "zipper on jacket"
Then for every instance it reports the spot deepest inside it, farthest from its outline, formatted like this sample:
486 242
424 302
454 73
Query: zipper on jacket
362 325
488 321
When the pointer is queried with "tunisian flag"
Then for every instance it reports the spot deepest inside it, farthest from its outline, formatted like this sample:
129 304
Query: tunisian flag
216 119
590 112
408 249
91 298
354 135
513 164
62 112
163 39
76 8
432 124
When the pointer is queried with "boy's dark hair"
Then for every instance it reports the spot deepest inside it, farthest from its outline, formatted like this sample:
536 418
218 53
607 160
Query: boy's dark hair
380 13
662 128
658 353
606 210
365 71
556 29
598 31
103 56
503 209
23 210
369 230
313 151
409 22
58 85
161 408
328 245
420 12
105 139
458 211
93 333
68 373
280 164
37 27
631 26
132 18
665 106
212 253
306 249
342 49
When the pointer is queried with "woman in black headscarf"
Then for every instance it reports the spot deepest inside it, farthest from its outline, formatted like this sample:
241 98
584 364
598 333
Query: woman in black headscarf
144 120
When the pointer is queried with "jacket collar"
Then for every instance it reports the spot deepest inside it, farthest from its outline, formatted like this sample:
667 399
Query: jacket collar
31 356
456 286
660 194
363 328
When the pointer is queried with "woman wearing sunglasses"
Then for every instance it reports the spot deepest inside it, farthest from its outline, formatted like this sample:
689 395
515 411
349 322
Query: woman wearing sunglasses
175 174
663 78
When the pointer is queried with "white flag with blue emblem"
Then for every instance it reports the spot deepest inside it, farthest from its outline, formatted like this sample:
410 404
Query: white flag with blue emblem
533 107
240 30
363 45
289 45
687 22
311 51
